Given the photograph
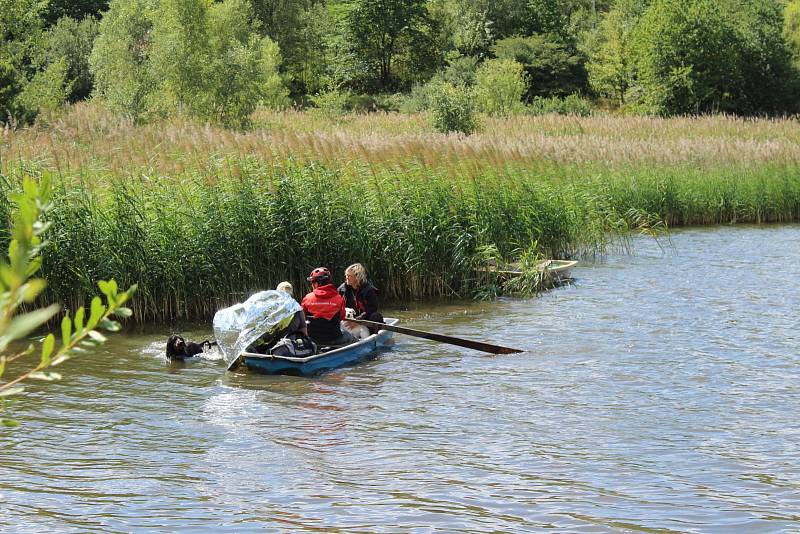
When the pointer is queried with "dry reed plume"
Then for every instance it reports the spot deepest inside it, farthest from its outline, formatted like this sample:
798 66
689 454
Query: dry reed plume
88 140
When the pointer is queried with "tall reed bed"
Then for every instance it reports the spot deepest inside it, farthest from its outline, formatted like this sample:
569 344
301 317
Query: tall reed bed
196 242
200 217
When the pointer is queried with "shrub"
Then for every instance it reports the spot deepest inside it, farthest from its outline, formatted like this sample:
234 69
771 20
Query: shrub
452 109
361 103
552 67
71 40
9 87
499 86
48 90
419 99
573 104
460 70
331 103
389 102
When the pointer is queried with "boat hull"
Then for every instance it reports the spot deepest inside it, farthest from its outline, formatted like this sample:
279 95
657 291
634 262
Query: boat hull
318 363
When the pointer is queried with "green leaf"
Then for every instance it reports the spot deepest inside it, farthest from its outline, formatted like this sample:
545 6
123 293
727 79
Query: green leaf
14 251
33 266
47 348
79 319
123 297
40 227
30 188
9 422
2 365
33 289
97 336
66 329
98 309
105 287
61 359
12 391
24 324
38 375
111 326
8 276
123 312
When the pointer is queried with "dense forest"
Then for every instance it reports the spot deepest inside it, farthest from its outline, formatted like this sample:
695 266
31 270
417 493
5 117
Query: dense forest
219 61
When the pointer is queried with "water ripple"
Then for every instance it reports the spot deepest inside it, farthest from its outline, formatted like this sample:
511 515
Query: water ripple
657 394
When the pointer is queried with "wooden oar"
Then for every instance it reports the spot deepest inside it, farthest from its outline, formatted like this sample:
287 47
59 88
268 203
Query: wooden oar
477 345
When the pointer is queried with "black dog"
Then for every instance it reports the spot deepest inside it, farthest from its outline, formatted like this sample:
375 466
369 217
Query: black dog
178 348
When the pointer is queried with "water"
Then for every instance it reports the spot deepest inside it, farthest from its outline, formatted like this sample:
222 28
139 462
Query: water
659 393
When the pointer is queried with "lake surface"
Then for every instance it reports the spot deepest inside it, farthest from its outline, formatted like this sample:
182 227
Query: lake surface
660 392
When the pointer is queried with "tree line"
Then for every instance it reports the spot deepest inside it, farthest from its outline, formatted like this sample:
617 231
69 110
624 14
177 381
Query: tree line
218 60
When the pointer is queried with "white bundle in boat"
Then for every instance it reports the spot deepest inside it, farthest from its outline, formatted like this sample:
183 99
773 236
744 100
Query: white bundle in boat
238 326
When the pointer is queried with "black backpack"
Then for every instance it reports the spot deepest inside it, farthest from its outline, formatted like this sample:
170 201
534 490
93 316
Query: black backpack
295 345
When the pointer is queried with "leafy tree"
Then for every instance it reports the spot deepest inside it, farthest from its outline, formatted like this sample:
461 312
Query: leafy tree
18 288
179 55
686 57
547 16
526 17
186 57
21 25
10 86
769 79
78 10
72 41
460 70
286 23
553 67
700 56
610 68
499 86
120 58
509 17
380 30
791 27
472 28
323 58
244 66
48 90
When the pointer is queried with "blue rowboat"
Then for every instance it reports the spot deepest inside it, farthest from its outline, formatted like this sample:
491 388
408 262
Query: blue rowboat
324 361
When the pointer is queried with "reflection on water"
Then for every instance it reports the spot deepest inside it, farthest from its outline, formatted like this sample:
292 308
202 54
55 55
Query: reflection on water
658 393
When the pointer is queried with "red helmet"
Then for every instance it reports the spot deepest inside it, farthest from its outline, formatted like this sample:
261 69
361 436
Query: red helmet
320 275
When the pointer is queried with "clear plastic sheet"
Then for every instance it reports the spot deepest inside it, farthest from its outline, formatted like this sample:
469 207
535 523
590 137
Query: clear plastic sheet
237 327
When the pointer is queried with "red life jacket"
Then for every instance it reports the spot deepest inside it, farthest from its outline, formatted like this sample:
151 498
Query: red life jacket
324 308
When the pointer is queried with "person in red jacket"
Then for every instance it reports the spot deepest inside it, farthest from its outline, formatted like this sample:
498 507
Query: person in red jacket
324 308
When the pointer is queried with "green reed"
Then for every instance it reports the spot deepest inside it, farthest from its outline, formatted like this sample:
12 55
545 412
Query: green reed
196 242
200 217
202 240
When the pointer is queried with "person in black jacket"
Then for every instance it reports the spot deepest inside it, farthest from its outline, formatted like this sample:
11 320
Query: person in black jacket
360 294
